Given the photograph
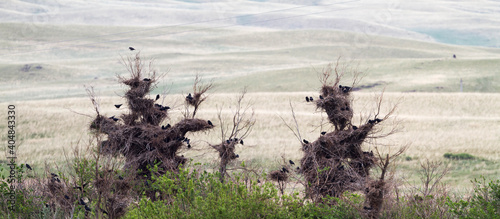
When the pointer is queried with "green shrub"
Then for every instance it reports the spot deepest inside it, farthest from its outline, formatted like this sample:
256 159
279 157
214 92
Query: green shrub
190 194
484 203
460 156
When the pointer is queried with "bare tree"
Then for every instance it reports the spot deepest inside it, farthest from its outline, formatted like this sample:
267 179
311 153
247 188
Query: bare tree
233 132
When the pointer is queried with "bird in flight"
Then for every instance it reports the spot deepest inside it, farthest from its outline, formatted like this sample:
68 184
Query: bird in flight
118 106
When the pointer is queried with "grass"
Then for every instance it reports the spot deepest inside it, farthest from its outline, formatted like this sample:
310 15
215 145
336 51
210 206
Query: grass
433 124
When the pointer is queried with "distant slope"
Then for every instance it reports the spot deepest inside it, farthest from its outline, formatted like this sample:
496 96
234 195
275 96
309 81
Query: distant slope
57 60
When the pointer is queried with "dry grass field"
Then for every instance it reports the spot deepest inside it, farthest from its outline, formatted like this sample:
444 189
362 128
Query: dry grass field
430 123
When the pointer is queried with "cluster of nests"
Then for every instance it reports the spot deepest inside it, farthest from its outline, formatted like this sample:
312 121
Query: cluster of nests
66 196
140 138
226 150
335 162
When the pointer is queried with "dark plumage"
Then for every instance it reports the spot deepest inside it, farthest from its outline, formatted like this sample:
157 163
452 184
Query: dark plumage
454 56
131 48
163 127
118 106
227 141
54 175
81 201
57 180
189 97
371 121
354 127
378 120
307 99
146 79
323 133
87 208
120 177
284 170
113 118
311 99
321 97
189 146
237 155
168 126
163 108
298 168
305 141
157 97
210 123
291 162
258 181
346 89
28 166
66 196
241 141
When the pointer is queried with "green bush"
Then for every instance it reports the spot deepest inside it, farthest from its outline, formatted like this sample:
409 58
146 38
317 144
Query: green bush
484 203
190 194
460 156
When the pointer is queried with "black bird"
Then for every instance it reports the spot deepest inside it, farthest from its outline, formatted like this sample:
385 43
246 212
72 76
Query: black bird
320 97
146 79
57 180
367 208
54 175
311 99
168 126
291 162
189 97
284 170
298 168
346 108
104 211
163 127
235 139
158 105
210 123
354 127
237 155
307 99
131 48
113 118
346 89
66 196
120 177
187 140
163 108
371 121
157 97
258 181
87 208
454 56
378 120
227 141
81 201
118 106
189 146
241 141
28 166
323 133
305 141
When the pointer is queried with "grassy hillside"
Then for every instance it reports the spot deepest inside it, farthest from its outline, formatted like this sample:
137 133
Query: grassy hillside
264 60
432 124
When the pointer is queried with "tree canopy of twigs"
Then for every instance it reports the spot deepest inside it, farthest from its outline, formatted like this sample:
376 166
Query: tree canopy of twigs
138 134
233 132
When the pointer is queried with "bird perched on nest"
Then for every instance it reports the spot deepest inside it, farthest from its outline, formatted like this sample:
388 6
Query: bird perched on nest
189 97
284 170
305 141
146 79
354 127
113 118
321 97
323 133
